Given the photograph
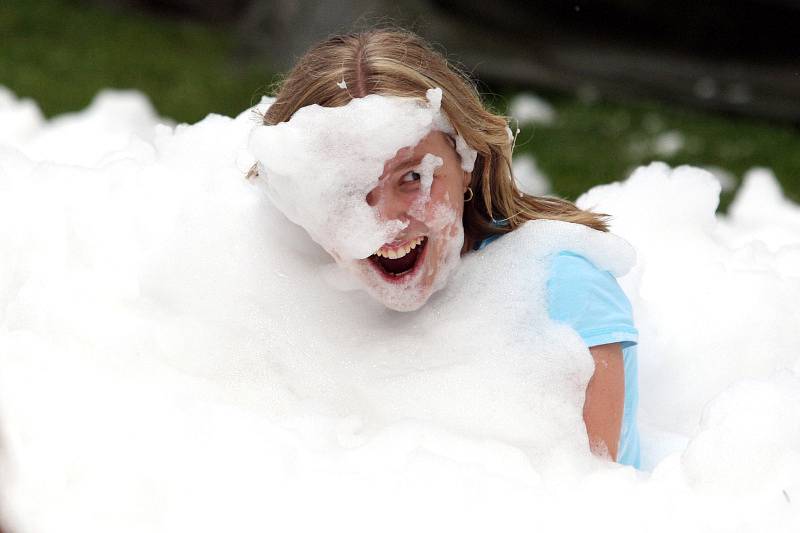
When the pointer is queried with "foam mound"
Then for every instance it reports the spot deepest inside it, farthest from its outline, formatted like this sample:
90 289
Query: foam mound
173 355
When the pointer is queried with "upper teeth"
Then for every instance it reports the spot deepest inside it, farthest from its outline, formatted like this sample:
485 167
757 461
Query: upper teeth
397 253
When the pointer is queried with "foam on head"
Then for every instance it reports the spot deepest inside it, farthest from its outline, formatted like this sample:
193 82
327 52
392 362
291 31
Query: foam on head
320 165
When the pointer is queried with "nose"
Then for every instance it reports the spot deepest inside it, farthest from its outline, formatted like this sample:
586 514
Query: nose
373 196
389 203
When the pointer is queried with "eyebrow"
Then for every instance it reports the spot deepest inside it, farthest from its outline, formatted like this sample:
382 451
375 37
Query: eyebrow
409 162
404 164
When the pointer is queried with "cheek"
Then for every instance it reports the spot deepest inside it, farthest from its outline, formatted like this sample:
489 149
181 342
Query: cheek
444 214
448 193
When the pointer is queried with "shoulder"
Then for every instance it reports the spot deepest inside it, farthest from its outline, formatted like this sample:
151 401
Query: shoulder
590 300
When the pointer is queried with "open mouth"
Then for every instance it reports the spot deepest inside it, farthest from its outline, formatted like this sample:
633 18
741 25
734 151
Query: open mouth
395 263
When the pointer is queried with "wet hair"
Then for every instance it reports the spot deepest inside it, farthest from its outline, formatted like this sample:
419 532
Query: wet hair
394 62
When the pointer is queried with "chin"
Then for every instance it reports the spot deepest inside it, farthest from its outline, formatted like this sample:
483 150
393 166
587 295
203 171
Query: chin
404 305
408 293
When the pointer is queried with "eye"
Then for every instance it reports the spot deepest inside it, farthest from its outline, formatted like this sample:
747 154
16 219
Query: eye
410 177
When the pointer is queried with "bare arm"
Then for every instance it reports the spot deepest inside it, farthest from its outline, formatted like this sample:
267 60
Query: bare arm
605 397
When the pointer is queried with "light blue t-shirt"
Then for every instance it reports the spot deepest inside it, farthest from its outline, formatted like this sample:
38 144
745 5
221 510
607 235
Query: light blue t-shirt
591 301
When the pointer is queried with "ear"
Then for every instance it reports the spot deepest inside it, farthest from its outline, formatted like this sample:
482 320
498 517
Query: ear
467 179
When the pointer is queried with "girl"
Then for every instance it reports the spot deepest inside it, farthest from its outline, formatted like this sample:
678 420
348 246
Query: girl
488 205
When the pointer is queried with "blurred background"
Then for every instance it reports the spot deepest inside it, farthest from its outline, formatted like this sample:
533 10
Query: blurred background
597 87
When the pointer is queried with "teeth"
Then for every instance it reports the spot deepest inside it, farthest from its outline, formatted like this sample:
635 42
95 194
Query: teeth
397 253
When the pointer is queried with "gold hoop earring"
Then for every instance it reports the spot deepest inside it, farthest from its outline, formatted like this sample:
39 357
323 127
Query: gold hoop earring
469 190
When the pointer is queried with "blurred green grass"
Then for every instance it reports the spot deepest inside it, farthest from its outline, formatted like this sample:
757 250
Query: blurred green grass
61 53
591 143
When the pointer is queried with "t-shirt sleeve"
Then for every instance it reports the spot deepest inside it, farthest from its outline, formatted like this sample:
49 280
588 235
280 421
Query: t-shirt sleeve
590 300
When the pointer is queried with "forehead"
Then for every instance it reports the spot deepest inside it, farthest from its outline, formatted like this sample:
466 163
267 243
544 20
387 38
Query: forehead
435 142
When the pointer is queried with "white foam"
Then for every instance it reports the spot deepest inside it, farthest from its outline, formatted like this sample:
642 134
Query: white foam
115 121
171 358
727 181
468 155
528 176
320 165
702 302
426 167
668 143
760 213
21 118
528 108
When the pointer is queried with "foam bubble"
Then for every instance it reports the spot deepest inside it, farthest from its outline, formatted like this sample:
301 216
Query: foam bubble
528 108
529 177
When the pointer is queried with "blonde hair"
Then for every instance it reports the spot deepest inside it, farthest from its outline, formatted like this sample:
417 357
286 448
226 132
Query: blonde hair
399 63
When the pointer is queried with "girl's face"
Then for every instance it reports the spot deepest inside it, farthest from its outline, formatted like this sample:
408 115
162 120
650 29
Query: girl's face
403 274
